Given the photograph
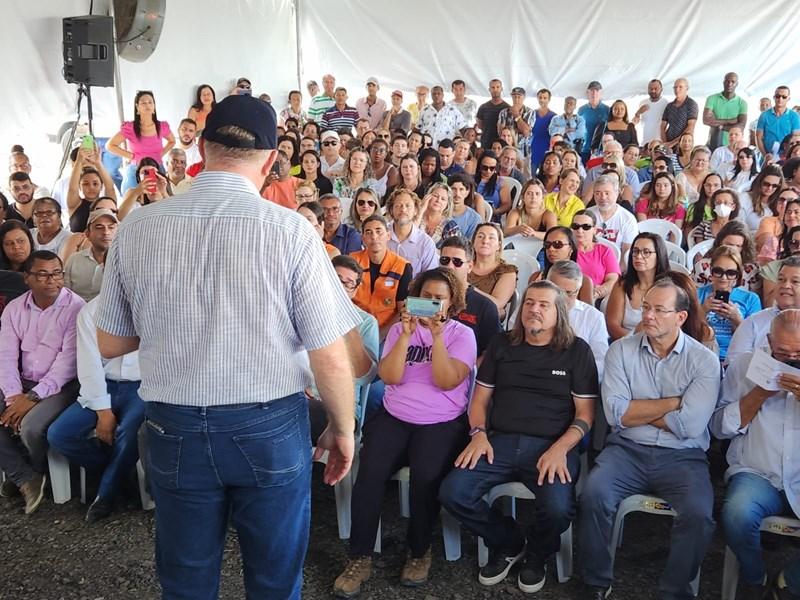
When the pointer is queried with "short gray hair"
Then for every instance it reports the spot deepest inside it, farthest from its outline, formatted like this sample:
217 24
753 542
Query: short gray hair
786 319
791 261
568 269
612 180
216 152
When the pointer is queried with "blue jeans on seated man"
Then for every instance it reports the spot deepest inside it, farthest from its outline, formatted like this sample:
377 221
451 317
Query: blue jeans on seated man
515 458
70 435
679 476
749 499
248 462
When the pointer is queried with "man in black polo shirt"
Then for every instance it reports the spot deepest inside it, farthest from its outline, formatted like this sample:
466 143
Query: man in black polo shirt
481 314
542 383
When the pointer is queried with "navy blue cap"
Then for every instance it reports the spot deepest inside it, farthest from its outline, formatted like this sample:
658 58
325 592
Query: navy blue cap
248 113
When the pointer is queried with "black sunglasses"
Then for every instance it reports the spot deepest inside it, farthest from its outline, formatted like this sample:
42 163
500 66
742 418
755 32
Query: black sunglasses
584 226
446 260
727 273
558 245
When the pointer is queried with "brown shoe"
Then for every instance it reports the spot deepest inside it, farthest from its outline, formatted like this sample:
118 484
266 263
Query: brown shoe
9 489
415 571
33 492
356 572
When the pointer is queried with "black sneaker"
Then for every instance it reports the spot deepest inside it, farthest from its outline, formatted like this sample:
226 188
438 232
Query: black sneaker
532 574
99 509
592 592
499 565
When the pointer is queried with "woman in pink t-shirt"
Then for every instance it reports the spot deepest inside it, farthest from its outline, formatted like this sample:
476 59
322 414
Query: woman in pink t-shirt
663 201
143 137
597 261
426 367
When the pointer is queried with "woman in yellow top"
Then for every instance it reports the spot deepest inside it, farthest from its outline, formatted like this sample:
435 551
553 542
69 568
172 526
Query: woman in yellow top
564 203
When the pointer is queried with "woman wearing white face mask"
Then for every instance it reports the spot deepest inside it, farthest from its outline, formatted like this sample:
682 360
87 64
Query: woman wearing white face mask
726 206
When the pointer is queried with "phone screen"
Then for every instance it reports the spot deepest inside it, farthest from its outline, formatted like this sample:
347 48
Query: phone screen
722 296
87 143
423 307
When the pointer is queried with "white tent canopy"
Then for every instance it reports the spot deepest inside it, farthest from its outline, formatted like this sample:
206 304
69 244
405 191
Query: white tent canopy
533 44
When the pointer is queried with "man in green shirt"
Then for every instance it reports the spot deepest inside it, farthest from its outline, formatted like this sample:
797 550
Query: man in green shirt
723 111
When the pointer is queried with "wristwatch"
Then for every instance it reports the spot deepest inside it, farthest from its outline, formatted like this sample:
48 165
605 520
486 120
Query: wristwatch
476 430
33 396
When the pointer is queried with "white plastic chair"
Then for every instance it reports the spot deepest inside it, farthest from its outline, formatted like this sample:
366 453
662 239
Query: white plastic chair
679 267
489 212
58 467
697 249
663 228
516 490
343 490
675 252
515 189
526 266
730 572
648 504
451 529
612 245
527 245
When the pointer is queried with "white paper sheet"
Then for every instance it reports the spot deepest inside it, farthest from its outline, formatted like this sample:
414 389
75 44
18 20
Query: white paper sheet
764 370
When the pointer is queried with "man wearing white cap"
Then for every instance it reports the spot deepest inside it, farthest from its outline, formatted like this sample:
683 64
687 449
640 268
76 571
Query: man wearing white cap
83 273
331 161
371 107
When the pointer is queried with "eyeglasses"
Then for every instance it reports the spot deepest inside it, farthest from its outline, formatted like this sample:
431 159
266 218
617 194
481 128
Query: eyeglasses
609 166
558 245
363 203
658 311
44 213
584 226
488 168
379 150
727 273
767 184
792 213
794 243
330 143
781 96
42 276
643 252
304 196
349 285
446 260
384 136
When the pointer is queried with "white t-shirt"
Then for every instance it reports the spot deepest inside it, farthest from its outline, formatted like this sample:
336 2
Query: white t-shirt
192 154
651 119
747 213
54 245
336 167
721 162
620 229
468 109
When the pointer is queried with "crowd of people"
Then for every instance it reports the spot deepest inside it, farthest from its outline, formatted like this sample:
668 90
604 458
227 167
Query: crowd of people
616 346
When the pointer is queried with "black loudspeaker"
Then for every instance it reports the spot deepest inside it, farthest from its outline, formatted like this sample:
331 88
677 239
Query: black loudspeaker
89 50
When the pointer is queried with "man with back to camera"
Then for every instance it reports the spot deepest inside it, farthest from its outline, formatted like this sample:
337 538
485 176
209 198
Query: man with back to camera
231 446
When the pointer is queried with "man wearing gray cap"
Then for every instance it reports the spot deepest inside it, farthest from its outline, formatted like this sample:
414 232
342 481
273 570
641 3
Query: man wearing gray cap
83 273
219 290
371 107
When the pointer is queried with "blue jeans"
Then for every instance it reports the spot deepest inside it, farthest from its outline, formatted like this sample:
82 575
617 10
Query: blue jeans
791 573
515 458
680 477
69 434
249 462
749 499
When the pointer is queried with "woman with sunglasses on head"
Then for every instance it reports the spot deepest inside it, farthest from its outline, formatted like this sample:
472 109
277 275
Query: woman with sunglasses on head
530 218
560 244
88 182
724 301
143 136
436 221
763 192
597 261
490 274
744 170
736 235
366 203
769 236
725 205
311 170
78 241
647 261
769 272
490 186
205 101
702 210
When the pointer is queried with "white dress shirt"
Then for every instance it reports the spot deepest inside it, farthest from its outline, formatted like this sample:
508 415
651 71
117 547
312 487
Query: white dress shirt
751 333
589 324
93 370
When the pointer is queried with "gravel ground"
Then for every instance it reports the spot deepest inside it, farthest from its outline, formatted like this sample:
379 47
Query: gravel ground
54 555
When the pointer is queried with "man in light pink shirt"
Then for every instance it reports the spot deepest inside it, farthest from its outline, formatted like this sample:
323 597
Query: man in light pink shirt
371 107
38 369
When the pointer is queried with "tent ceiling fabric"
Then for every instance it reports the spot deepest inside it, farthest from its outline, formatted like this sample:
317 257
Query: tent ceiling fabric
557 45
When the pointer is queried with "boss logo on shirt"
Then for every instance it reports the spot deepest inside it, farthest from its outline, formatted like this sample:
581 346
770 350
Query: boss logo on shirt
561 373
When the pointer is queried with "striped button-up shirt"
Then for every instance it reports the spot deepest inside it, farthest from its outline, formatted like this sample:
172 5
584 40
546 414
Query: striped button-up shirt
223 289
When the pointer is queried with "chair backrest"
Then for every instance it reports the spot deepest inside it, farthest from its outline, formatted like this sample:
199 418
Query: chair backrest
698 250
663 228
675 253
526 266
489 212
511 309
679 266
528 245
515 187
612 245
362 392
